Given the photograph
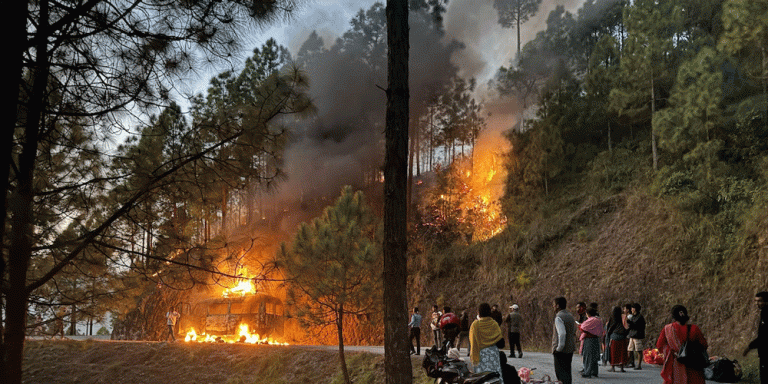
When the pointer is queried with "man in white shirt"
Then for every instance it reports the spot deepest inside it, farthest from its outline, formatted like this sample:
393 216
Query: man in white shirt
171 316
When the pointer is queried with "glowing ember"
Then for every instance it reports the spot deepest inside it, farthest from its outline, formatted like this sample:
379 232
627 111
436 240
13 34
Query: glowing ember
243 336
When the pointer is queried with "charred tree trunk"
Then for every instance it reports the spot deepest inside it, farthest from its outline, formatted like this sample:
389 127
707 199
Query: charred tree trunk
397 361
73 320
519 6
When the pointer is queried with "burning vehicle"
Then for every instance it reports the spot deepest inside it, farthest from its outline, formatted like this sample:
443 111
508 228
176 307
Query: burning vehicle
239 315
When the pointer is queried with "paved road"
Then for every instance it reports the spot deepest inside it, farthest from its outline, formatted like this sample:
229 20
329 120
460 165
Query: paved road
540 363
543 365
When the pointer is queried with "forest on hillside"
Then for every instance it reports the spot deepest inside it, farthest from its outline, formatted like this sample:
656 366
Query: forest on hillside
637 173
639 140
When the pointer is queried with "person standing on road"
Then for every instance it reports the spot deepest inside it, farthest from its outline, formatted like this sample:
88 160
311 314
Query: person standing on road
484 333
761 341
617 334
671 338
636 334
496 314
513 321
591 330
563 340
415 331
434 324
463 331
581 312
171 316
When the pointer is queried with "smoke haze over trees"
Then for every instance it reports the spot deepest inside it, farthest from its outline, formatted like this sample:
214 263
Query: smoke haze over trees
604 97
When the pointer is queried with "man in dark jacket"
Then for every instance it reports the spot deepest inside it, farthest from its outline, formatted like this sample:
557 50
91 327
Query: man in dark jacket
463 331
496 314
761 342
636 334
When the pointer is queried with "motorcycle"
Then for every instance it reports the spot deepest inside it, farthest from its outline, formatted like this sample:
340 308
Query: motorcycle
446 370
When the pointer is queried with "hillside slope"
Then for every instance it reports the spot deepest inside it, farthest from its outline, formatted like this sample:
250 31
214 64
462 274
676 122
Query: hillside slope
628 247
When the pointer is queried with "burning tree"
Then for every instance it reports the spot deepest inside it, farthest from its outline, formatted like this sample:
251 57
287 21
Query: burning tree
462 204
333 265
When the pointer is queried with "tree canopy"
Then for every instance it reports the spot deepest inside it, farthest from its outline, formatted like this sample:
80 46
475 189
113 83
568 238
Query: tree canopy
80 70
333 266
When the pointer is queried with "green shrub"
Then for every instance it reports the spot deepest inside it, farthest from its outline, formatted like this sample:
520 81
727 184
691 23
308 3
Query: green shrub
613 171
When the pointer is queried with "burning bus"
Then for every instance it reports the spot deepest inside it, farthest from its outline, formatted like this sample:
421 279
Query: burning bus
240 313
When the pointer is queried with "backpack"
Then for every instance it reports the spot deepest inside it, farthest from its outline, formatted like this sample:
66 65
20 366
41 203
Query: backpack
723 370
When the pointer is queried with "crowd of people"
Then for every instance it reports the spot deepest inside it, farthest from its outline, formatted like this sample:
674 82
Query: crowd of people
617 342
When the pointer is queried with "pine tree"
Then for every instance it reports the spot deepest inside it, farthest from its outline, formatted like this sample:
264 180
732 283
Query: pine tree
397 360
333 265
92 60
746 34
514 13
647 63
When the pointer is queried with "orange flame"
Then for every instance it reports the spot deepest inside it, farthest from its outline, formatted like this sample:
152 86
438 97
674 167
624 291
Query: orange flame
244 287
243 336
244 284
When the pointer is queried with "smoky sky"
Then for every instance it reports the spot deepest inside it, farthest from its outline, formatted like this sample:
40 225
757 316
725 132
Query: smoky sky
344 142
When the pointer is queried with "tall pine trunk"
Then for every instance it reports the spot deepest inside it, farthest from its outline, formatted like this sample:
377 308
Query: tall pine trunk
397 361
519 6
340 333
22 216
653 133
15 22
409 199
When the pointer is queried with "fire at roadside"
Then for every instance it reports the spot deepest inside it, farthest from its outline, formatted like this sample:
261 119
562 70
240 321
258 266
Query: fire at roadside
258 316
243 336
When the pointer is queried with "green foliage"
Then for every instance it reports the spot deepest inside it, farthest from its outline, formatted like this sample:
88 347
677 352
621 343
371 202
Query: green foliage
744 25
333 266
514 13
333 263
647 59
694 115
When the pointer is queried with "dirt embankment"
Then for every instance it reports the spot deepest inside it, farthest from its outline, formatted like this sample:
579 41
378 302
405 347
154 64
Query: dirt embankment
622 249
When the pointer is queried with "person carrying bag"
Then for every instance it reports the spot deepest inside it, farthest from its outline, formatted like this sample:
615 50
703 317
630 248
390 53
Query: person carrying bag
677 338
692 354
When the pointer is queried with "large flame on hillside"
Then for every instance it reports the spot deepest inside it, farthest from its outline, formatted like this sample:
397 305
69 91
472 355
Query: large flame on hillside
485 183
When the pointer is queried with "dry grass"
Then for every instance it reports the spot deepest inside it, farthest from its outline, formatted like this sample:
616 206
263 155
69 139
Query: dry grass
629 247
65 361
